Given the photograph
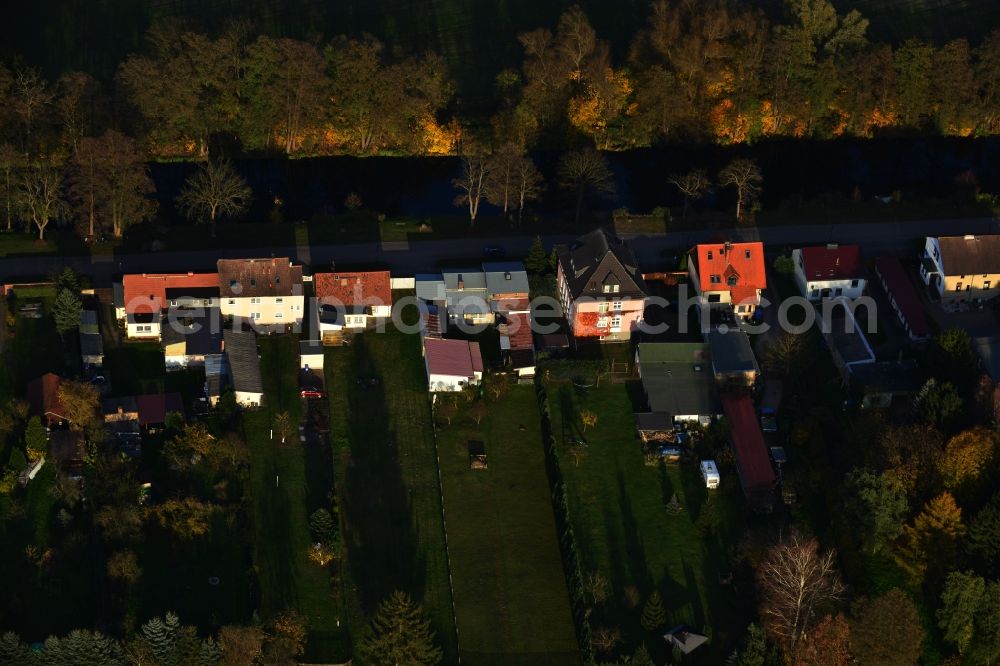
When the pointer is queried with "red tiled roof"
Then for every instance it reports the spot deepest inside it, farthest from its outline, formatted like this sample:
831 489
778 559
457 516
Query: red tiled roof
153 409
832 262
743 295
901 290
275 276
748 444
146 292
355 288
43 396
749 272
455 358
519 330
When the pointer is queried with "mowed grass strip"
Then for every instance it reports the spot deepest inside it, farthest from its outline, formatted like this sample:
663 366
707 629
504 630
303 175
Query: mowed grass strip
510 589
288 580
387 480
617 505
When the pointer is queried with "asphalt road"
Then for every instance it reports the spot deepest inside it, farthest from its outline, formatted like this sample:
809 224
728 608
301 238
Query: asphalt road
424 256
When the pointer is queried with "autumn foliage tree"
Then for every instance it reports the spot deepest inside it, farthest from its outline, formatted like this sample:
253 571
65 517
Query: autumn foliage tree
966 457
873 620
932 540
827 644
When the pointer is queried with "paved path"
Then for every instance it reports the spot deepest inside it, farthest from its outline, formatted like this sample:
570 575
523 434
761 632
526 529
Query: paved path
421 256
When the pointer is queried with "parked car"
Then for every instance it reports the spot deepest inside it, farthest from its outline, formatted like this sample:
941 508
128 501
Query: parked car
710 473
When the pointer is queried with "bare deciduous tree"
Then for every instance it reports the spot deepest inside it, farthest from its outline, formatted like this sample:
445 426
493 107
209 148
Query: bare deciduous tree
596 586
528 184
9 162
582 171
606 639
795 578
745 176
473 183
215 190
692 185
31 94
40 197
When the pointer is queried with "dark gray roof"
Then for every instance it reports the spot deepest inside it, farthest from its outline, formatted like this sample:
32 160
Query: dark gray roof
597 259
731 352
653 421
244 362
898 378
216 374
680 389
200 329
970 255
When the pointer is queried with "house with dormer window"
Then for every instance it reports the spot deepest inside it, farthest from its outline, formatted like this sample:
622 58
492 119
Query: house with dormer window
602 293
729 275
262 292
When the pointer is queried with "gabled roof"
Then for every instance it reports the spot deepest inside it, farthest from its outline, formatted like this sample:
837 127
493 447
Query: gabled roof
597 259
464 279
354 288
748 444
146 292
677 378
742 261
244 362
505 277
43 395
902 291
672 352
832 262
519 330
259 277
453 358
153 409
970 255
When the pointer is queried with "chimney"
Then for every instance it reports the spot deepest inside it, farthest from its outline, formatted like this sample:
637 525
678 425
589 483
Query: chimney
832 246
461 283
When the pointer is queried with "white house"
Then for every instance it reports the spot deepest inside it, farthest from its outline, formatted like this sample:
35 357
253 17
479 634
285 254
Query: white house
265 292
829 272
351 301
452 364
962 269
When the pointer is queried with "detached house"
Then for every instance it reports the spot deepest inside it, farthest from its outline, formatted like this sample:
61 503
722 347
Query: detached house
146 296
829 272
600 289
265 292
351 300
729 275
452 364
243 366
962 269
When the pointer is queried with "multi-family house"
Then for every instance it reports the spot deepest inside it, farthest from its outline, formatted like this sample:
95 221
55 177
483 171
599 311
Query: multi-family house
961 269
263 292
350 300
601 292
146 296
729 275
831 271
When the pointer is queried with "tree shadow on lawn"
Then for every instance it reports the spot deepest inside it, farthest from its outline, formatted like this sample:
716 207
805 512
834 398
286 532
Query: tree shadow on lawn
279 576
379 536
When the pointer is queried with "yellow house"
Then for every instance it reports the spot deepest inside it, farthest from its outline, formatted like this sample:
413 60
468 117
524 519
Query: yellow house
962 269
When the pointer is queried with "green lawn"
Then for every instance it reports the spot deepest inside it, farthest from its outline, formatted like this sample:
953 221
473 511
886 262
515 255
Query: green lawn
279 488
623 530
386 475
510 589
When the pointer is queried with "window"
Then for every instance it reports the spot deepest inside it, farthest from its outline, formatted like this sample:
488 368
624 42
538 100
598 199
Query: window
838 291
710 255
616 322
732 280
255 315
607 289
986 284
815 293
173 301
715 279
232 301
602 307
278 315
253 282
714 298
255 300
617 306
602 322
854 284
279 300
958 287
747 254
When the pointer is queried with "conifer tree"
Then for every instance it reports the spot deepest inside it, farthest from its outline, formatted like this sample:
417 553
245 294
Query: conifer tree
400 633
653 615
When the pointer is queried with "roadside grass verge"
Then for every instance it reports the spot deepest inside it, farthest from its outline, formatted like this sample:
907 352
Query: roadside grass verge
510 590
